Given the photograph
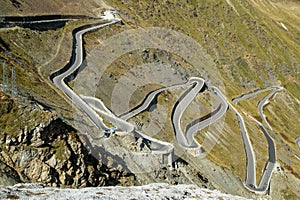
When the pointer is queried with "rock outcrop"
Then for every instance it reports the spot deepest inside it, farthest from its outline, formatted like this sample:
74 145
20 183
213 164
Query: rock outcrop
6 104
52 153
8 176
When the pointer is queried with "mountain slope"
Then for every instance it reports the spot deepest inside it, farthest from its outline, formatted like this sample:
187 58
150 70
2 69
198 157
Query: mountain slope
254 44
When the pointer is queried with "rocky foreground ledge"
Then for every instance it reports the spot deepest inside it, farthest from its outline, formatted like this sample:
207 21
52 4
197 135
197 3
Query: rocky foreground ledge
151 191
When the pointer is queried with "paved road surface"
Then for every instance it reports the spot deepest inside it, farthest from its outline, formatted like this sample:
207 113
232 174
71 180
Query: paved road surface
249 95
189 141
149 98
297 141
270 166
271 162
179 108
96 103
250 168
197 125
185 140
60 83
157 146
263 102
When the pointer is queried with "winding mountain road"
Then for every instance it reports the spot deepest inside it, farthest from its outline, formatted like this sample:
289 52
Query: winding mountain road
263 102
186 140
157 146
149 98
180 106
59 80
249 95
271 162
91 106
250 168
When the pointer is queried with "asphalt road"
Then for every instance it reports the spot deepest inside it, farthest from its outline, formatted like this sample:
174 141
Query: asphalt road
250 168
249 95
199 124
271 162
95 102
270 166
263 102
297 141
157 146
185 140
181 105
149 98
60 83
91 105
268 170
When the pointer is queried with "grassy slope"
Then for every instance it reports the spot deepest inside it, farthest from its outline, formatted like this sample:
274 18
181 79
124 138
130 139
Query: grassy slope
246 46
35 55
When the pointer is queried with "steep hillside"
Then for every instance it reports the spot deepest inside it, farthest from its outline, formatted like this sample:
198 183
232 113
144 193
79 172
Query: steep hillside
242 46
43 148
32 104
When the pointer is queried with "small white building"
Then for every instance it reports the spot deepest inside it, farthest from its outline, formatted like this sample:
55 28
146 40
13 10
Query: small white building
109 15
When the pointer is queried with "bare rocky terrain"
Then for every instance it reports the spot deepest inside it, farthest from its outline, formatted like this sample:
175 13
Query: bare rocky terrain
52 153
152 191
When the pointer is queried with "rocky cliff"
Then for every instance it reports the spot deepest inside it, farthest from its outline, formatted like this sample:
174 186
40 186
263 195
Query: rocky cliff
51 153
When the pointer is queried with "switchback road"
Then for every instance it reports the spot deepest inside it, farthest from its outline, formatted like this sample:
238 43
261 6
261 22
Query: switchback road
91 106
270 165
59 80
